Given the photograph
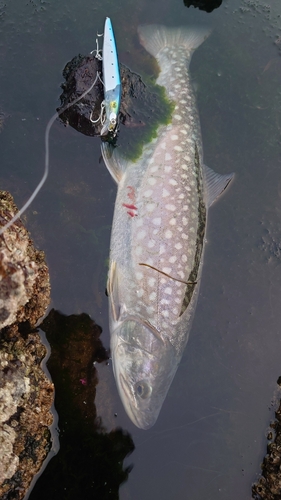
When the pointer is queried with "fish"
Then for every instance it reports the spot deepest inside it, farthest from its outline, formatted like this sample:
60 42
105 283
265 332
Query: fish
158 235
111 79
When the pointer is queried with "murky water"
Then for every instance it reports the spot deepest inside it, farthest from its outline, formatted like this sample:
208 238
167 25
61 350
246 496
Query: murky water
210 437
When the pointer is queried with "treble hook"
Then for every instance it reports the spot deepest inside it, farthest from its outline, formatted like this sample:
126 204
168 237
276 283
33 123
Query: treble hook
101 117
97 50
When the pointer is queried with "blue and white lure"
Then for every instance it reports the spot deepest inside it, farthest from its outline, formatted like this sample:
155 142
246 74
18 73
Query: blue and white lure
111 79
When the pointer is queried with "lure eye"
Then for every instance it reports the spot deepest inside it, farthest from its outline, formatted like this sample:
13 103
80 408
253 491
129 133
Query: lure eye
143 389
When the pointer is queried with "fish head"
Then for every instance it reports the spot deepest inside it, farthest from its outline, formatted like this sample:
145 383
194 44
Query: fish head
144 365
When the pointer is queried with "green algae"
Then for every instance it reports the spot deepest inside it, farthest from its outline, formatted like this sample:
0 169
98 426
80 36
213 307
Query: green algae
152 112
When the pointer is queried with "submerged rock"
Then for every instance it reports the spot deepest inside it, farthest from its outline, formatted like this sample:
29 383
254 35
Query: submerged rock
26 394
80 73
207 5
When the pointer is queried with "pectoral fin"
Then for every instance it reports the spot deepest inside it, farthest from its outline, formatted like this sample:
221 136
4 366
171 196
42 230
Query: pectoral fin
114 162
215 184
112 291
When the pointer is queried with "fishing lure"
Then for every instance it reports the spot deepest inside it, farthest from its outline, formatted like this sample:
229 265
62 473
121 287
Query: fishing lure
111 79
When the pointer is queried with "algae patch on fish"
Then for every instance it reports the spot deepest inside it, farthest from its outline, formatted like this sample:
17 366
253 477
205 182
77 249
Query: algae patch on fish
152 110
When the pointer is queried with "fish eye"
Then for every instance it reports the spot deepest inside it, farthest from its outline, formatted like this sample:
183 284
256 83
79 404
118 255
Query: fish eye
143 389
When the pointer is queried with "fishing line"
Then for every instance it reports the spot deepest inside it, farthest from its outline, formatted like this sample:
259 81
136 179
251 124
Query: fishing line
46 170
165 274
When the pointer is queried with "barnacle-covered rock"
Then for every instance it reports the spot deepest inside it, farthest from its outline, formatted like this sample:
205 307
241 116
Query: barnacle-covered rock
268 487
26 394
24 277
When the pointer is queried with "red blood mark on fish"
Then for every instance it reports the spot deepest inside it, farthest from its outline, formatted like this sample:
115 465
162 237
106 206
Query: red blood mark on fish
131 193
132 209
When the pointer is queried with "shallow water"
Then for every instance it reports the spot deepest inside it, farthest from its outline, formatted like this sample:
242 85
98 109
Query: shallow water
210 437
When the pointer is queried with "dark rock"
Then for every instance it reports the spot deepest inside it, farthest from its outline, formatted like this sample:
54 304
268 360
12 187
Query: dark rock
207 5
80 74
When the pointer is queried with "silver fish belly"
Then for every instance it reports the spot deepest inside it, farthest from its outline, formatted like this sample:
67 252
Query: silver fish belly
157 236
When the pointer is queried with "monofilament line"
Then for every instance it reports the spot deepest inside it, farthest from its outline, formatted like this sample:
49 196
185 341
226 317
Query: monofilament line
46 170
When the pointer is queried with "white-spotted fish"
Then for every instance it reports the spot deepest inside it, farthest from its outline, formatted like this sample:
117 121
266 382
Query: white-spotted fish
158 236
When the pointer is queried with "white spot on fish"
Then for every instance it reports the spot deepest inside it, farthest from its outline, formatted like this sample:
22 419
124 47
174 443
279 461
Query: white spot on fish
173 221
184 221
140 292
178 246
167 270
154 169
164 302
165 193
173 182
148 193
175 311
181 196
151 281
168 234
151 181
168 290
177 117
170 207
167 168
174 137
152 296
163 145
150 207
138 250
162 249
150 310
178 148
165 313
168 156
151 243
157 221
184 236
139 275
184 258
141 234
139 222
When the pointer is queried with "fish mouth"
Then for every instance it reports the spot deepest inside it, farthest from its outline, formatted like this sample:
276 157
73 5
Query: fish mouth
127 392
130 409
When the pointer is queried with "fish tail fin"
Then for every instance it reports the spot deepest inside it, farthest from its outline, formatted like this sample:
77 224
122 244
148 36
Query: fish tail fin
155 37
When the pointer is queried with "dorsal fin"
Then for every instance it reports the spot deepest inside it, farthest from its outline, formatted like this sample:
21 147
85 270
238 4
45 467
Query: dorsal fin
215 184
